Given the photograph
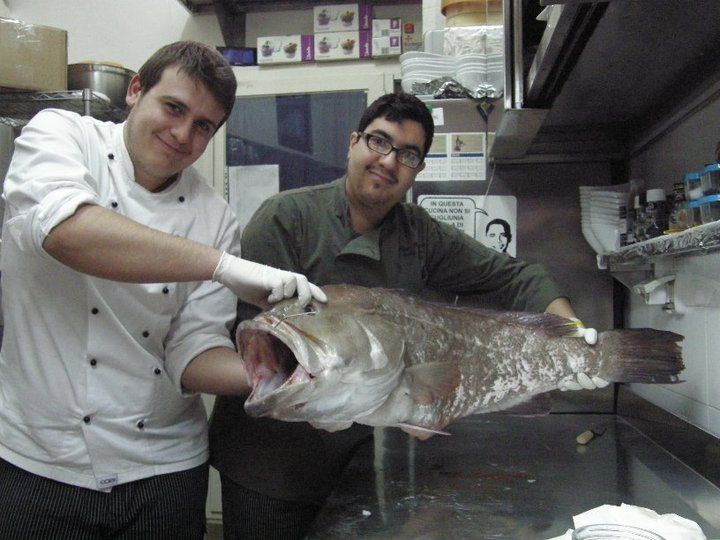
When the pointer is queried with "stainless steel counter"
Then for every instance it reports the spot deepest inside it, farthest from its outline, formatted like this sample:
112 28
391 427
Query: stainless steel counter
500 476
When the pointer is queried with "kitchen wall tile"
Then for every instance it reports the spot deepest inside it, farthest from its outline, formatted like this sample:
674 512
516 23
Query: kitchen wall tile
713 357
697 292
681 406
698 281
714 421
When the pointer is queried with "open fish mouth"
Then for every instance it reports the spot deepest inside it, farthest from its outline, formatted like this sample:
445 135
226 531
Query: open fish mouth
270 354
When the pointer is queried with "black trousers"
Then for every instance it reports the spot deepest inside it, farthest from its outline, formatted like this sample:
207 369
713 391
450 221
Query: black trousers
248 515
164 507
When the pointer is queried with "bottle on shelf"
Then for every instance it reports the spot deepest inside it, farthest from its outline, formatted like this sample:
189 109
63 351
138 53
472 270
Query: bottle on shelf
634 189
677 217
656 214
639 224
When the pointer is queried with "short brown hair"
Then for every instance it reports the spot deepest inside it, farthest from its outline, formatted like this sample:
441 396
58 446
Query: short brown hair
199 62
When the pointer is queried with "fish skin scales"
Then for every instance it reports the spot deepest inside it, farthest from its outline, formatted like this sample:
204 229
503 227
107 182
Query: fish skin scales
368 356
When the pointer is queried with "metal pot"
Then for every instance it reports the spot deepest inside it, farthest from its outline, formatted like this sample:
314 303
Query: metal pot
107 79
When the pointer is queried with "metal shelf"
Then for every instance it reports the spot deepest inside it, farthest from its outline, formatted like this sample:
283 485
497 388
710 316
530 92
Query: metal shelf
16 109
700 239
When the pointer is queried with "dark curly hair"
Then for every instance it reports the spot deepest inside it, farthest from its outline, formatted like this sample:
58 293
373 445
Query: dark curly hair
398 107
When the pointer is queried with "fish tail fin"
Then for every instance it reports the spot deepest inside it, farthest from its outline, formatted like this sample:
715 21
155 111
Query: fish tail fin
640 355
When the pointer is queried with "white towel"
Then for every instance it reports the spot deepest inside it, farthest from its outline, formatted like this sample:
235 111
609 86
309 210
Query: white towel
669 526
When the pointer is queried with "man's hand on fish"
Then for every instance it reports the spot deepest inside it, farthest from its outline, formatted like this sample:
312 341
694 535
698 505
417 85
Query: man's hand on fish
251 281
581 381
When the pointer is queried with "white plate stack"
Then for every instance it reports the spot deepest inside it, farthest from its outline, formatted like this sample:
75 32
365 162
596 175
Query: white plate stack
602 212
473 56
422 67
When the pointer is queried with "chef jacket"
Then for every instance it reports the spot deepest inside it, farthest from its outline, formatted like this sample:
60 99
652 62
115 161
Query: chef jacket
90 369
309 231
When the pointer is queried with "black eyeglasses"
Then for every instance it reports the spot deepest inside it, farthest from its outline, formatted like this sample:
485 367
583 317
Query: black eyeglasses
406 156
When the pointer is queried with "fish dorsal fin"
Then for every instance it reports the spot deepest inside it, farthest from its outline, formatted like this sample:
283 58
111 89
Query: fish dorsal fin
431 381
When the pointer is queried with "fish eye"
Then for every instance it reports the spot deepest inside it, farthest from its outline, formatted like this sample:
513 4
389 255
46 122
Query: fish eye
310 309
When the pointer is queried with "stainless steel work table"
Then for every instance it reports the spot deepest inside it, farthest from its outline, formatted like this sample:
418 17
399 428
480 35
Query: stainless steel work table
500 476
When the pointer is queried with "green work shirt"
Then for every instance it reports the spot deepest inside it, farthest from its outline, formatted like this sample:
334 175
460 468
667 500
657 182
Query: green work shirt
308 231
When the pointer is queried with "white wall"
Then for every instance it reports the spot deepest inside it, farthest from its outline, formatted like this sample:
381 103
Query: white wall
687 147
126 32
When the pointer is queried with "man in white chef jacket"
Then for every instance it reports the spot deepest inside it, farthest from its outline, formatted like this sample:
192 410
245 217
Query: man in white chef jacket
118 293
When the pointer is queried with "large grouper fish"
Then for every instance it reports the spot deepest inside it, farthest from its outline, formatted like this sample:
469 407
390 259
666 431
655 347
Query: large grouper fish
386 358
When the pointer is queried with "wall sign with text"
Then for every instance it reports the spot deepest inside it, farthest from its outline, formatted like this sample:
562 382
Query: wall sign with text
491 219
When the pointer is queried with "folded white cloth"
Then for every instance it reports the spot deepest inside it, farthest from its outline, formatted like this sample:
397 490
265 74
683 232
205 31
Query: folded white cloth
669 526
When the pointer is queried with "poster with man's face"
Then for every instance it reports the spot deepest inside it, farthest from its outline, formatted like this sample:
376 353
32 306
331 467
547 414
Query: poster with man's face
491 219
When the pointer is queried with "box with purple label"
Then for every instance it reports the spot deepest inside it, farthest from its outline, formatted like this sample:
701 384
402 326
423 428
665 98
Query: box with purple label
386 27
285 49
342 17
387 37
343 45
386 46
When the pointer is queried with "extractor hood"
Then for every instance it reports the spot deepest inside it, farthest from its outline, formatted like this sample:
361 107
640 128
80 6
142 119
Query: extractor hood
606 78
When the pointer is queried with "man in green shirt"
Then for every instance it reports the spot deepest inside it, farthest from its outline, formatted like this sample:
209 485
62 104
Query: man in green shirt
276 475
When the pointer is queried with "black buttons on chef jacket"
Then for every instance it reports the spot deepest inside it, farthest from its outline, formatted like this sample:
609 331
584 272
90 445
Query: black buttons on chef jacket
141 424
165 290
111 156
181 198
93 362
114 204
146 333
94 311
157 371
86 419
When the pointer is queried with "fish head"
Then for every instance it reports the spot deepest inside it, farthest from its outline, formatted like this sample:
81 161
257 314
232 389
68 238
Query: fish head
324 363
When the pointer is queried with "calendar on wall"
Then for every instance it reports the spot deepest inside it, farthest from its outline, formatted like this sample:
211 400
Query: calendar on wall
456 157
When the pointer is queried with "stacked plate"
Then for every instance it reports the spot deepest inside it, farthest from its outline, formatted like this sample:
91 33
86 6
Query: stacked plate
422 67
602 210
470 70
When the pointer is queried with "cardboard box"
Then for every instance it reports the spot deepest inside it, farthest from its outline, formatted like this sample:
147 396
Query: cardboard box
343 45
386 46
412 37
285 49
342 18
386 27
386 37
34 57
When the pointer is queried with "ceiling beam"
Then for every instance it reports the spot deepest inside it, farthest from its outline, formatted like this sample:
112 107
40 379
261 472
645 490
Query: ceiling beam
232 23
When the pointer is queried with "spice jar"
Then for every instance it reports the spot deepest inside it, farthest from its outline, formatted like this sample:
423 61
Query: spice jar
693 188
677 218
656 214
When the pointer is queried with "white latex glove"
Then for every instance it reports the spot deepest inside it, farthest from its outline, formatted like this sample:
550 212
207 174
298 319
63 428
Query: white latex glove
581 381
251 281
590 334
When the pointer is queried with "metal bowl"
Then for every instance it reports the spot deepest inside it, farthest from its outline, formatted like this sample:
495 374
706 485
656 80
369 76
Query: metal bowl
107 79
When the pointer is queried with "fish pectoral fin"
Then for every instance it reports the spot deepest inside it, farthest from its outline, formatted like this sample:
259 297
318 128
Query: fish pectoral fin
418 432
432 381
